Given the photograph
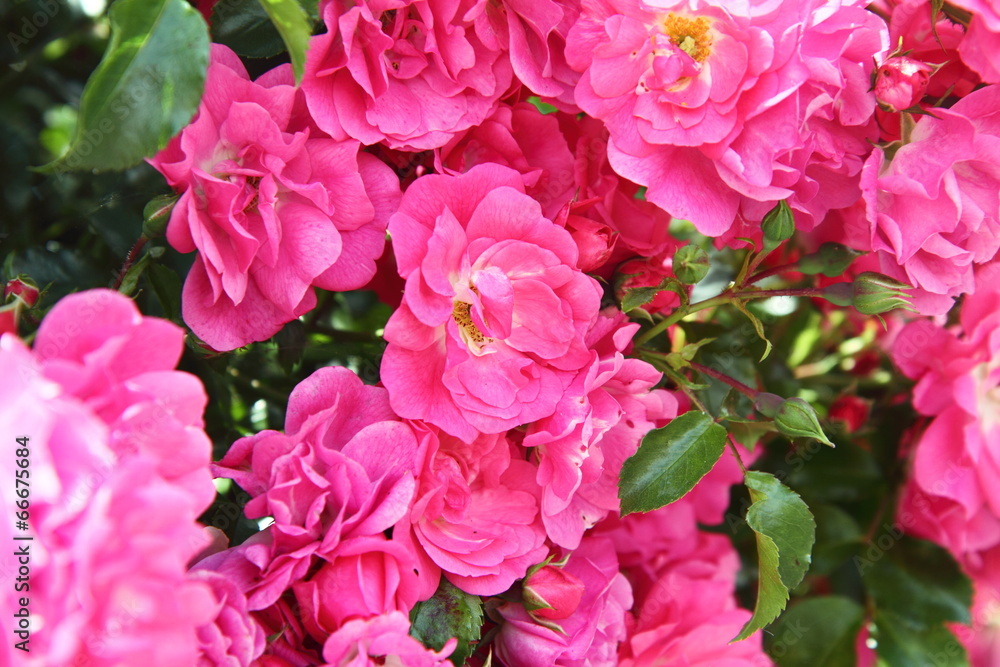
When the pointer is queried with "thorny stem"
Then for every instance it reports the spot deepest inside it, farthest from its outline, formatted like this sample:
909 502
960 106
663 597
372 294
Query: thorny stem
736 453
130 260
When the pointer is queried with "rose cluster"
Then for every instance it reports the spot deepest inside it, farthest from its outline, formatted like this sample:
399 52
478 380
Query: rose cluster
488 457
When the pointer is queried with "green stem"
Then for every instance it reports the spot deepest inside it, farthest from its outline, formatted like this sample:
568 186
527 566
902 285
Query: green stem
750 392
725 297
680 314
773 271
731 441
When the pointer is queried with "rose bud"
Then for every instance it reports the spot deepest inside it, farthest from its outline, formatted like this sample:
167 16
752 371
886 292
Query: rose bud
901 82
551 593
23 288
875 293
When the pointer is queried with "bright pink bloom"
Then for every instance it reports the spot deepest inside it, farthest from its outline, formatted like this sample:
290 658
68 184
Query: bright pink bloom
901 82
590 636
113 513
981 47
933 209
491 330
272 207
382 640
954 495
722 110
535 32
363 577
344 468
476 511
564 163
233 638
102 351
409 73
689 615
599 423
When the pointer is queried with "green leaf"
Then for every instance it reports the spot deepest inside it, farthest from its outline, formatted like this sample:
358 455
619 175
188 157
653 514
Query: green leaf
785 532
146 88
897 570
819 632
294 27
902 644
450 613
758 326
638 296
167 286
131 278
246 28
670 461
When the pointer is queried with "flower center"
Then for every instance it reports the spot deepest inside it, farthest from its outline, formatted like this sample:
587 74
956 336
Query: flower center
690 35
469 329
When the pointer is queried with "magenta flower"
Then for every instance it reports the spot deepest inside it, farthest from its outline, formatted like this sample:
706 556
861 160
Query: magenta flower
491 330
233 638
590 634
599 423
476 511
722 110
344 469
953 497
982 40
901 82
382 640
272 207
119 471
932 208
409 73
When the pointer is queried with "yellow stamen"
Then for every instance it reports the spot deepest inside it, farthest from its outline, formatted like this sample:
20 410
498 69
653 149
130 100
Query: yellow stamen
690 35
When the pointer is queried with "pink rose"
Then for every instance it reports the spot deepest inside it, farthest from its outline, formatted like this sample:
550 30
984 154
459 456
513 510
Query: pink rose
233 638
722 110
344 468
564 163
590 635
409 73
552 593
982 40
272 207
901 82
476 511
930 208
364 577
491 330
953 496
689 615
599 423
119 476
381 640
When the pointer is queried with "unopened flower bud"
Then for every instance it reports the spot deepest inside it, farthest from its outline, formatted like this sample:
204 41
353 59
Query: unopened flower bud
552 593
875 293
156 215
690 264
778 226
832 259
901 82
768 404
22 289
797 419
